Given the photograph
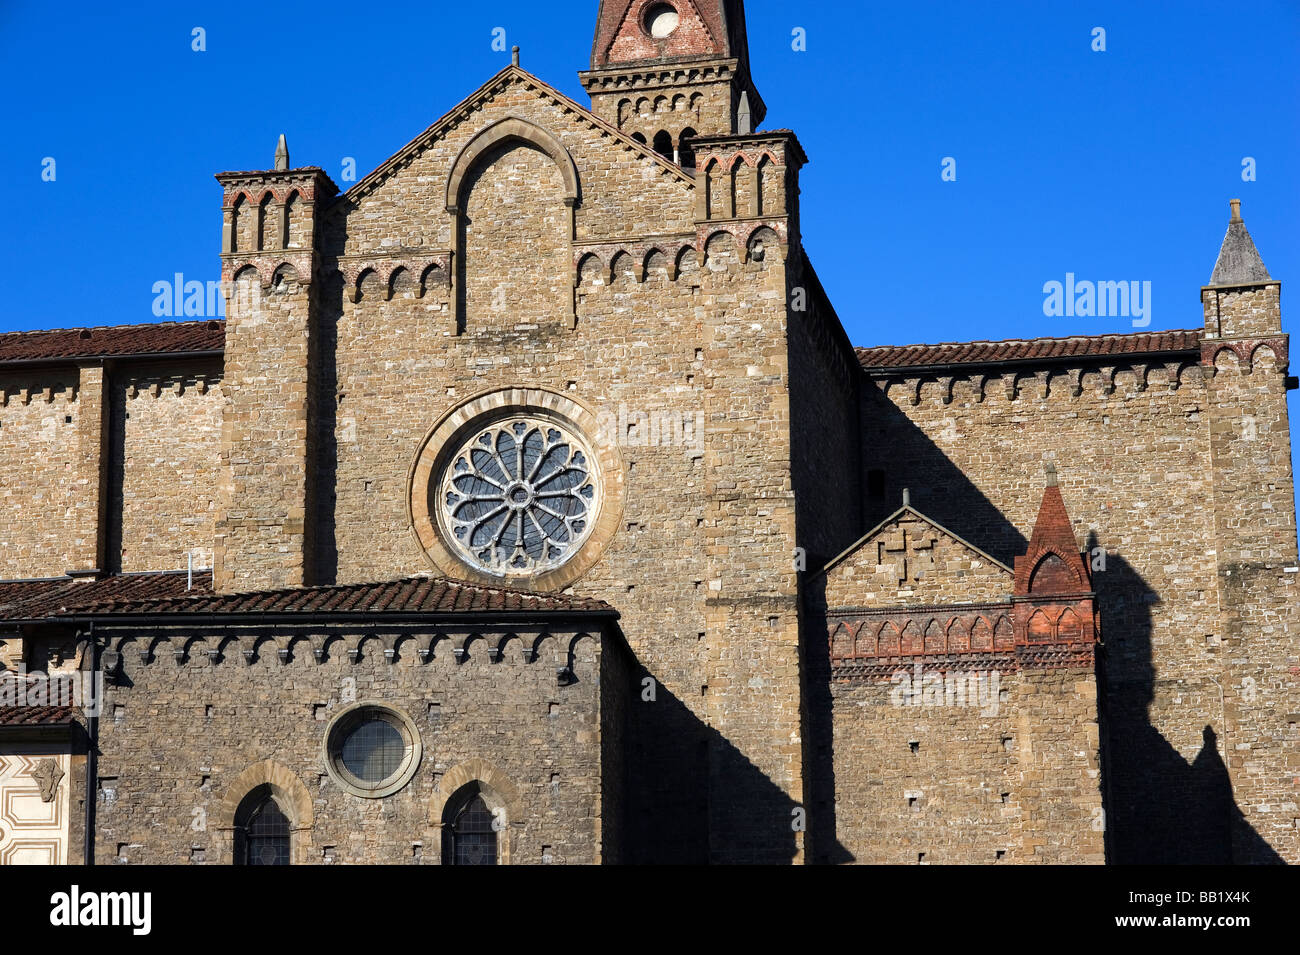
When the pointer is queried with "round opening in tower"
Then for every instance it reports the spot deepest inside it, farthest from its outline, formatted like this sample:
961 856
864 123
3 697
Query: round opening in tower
661 20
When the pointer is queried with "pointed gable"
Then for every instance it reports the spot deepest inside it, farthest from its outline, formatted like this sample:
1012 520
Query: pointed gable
470 110
910 559
1053 563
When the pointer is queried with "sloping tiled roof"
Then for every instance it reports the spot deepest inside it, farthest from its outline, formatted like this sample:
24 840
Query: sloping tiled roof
36 600
410 595
37 715
65 344
1185 341
15 593
165 594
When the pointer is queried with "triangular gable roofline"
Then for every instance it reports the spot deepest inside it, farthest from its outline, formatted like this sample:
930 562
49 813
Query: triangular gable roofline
907 509
460 112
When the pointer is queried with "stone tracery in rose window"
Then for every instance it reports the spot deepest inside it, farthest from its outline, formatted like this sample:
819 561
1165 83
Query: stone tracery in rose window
518 498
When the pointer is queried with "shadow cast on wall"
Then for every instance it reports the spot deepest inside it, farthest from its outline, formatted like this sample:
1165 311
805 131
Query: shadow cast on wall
1160 808
325 450
693 797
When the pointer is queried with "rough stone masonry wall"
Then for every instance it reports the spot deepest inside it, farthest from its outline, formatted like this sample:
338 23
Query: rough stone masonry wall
921 567
174 738
1012 781
159 467
824 427
260 540
40 454
516 233
166 434
1135 473
619 687
700 569
1255 522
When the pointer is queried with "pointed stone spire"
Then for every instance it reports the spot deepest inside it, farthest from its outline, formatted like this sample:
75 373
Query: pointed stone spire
1239 262
281 155
744 119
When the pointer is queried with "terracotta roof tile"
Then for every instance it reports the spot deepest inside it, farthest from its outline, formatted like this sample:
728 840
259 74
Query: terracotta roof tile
37 715
36 600
16 592
66 344
165 594
1184 341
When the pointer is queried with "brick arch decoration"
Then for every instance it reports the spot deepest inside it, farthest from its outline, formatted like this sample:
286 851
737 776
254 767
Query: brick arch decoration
292 795
1069 578
498 791
601 436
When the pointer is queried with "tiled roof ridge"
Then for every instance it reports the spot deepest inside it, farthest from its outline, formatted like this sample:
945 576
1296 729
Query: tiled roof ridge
133 326
366 597
1030 349
206 335
1037 340
38 599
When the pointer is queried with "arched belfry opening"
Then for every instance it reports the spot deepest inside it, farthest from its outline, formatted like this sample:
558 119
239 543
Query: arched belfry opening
686 60
663 144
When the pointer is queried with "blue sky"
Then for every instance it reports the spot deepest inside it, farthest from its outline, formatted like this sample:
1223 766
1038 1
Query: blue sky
1114 165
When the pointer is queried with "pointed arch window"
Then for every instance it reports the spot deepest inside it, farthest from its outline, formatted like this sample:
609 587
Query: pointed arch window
469 829
261 830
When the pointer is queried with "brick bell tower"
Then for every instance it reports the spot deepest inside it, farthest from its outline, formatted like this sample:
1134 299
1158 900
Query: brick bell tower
665 71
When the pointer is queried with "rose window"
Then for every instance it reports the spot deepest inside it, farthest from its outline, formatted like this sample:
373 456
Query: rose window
518 497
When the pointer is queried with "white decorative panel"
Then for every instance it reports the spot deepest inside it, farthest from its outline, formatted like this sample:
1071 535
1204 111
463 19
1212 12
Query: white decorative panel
33 828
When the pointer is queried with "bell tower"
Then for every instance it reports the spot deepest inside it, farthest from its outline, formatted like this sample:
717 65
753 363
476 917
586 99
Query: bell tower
665 71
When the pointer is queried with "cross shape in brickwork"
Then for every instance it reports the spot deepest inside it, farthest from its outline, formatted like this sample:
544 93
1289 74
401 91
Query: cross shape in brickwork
912 558
895 545
924 563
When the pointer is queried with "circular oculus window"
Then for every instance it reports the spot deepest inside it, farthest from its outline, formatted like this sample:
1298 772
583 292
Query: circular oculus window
519 497
661 21
517 487
371 750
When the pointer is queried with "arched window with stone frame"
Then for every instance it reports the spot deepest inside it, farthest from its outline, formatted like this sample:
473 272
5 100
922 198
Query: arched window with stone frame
237 815
262 830
469 829
468 798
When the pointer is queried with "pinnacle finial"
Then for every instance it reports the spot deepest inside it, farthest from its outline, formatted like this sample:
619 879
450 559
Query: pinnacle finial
281 155
1236 209
907 497
1051 474
514 55
744 117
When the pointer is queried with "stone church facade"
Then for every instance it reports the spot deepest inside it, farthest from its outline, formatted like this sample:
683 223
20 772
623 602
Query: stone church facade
545 513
